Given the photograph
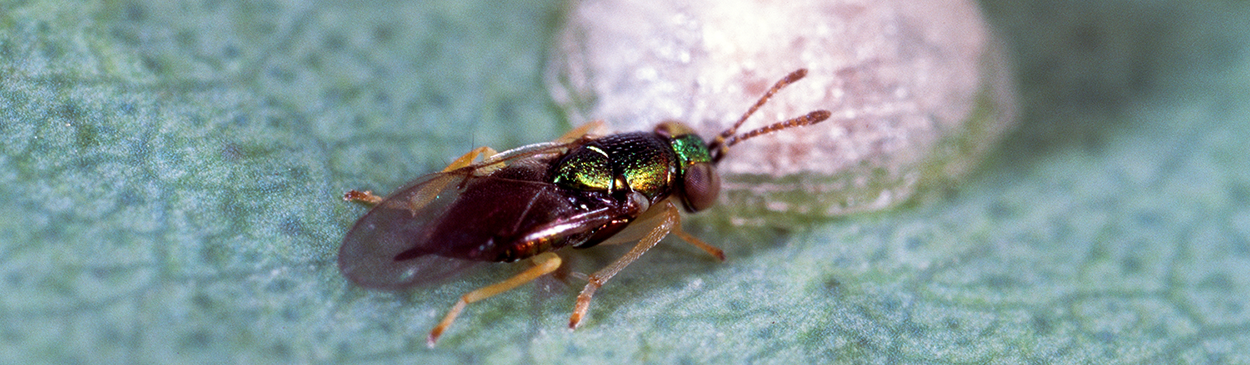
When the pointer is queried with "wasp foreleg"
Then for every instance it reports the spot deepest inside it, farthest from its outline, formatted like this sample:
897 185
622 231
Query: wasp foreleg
544 264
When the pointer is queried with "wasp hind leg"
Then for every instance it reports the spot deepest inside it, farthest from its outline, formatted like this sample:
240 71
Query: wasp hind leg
544 264
467 159
671 219
369 198
363 197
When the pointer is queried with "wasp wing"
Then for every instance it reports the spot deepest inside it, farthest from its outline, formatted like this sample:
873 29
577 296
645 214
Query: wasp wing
397 225
391 246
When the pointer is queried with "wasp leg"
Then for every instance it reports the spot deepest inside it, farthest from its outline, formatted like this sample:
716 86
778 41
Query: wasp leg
468 158
641 227
432 188
363 197
544 264
696 242
595 128
371 199
670 219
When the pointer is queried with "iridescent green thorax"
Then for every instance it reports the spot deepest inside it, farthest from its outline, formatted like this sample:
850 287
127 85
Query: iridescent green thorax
641 162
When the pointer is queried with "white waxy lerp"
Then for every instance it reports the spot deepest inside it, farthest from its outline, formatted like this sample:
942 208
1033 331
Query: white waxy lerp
919 91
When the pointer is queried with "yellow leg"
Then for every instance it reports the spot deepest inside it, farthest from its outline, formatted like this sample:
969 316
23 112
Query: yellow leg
544 264
650 218
661 229
468 158
370 199
431 189
595 128
363 197
696 242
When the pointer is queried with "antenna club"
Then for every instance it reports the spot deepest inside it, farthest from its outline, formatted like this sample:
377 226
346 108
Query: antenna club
818 116
796 75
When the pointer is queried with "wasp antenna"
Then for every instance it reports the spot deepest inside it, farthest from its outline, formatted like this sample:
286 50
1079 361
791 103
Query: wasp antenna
808 119
792 77
718 145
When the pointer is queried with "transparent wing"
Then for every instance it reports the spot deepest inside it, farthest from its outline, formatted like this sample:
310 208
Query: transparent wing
370 255
390 247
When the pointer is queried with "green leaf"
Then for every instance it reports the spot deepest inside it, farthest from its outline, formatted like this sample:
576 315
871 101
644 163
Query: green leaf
171 174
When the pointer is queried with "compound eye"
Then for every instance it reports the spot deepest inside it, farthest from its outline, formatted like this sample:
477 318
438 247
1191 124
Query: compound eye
702 186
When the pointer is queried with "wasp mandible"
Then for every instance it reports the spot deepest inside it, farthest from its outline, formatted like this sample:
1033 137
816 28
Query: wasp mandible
578 191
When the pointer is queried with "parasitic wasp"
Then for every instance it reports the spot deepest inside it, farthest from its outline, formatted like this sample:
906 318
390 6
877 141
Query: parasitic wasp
579 191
